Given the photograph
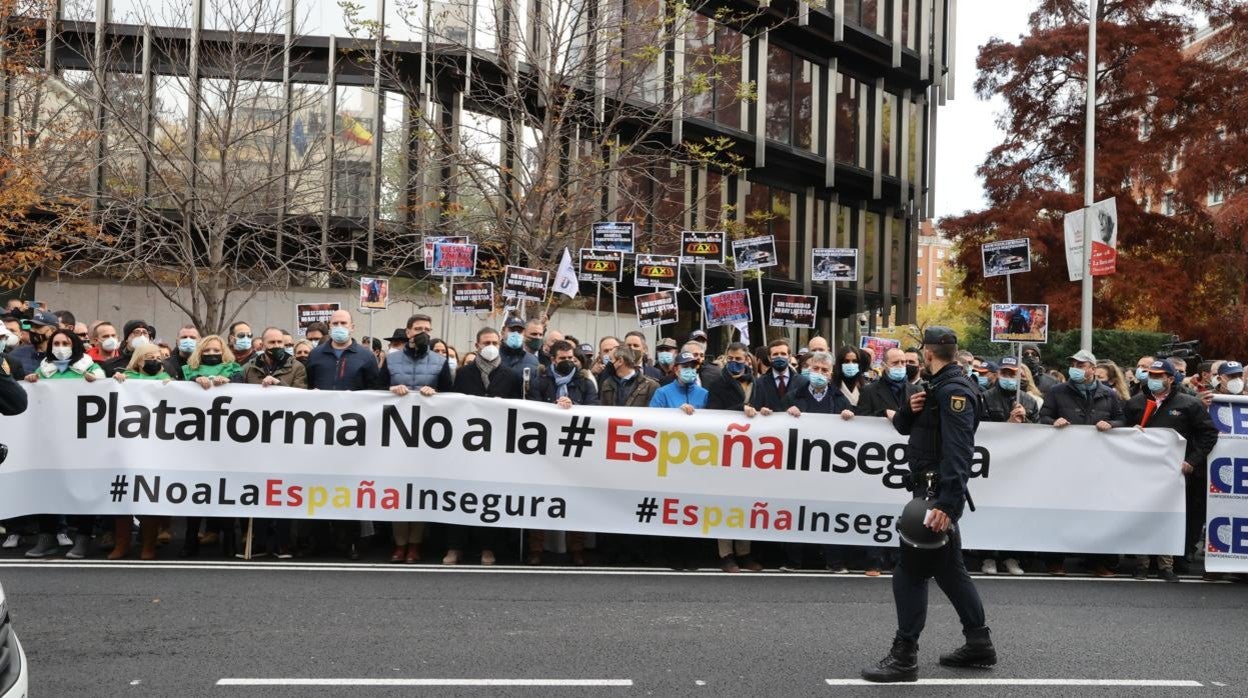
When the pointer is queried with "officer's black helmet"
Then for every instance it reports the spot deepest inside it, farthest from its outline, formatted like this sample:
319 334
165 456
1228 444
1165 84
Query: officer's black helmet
913 532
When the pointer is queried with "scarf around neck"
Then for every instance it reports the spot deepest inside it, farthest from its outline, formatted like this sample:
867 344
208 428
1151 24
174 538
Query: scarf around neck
486 368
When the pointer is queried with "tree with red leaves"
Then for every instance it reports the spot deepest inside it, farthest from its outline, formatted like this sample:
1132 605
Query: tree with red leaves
1162 99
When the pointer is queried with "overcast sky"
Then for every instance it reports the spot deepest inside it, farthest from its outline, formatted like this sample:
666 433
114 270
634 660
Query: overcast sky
967 127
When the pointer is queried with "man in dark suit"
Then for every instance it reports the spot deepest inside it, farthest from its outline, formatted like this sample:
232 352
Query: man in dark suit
884 397
770 388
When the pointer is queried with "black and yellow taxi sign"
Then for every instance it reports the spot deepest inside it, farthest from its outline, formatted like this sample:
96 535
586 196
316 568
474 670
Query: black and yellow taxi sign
703 247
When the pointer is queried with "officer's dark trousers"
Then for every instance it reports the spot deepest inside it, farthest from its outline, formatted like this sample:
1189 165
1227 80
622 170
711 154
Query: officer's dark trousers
946 567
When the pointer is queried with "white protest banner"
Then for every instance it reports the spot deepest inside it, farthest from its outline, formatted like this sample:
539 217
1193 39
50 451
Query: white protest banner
241 450
1226 516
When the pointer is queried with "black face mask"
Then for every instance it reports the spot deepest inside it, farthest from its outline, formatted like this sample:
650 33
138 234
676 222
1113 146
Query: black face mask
420 342
911 372
563 368
37 339
303 360
152 366
276 354
210 359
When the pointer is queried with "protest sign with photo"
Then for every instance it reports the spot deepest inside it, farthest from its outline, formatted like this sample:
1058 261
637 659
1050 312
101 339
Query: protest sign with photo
600 266
728 307
658 308
454 259
525 284
374 293
657 271
1006 257
1020 322
472 297
699 247
755 253
308 313
612 236
430 240
834 264
878 346
788 310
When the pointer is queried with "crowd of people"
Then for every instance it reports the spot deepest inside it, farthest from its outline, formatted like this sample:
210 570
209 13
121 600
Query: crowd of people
529 360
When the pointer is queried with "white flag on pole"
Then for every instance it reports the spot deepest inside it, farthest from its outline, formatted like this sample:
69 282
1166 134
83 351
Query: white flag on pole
565 279
744 329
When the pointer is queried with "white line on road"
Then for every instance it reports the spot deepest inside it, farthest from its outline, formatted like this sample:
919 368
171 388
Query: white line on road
579 683
1141 683
288 566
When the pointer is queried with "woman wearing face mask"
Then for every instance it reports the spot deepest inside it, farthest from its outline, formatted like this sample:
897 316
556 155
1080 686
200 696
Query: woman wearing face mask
302 348
847 378
145 364
66 360
212 363
1108 373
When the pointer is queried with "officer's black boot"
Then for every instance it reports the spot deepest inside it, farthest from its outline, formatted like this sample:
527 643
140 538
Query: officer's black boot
901 664
977 653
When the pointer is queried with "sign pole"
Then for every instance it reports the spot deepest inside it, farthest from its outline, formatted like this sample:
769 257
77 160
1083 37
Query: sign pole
702 285
446 301
597 309
762 310
832 320
615 307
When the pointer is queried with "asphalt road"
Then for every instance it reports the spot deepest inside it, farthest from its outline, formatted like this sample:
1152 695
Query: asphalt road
101 629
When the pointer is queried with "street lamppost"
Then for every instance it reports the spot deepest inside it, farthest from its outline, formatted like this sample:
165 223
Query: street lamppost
1089 159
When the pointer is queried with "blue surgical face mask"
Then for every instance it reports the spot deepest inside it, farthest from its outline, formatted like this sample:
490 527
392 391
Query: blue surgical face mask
514 340
896 374
339 333
982 380
818 381
1009 385
242 343
970 371
1141 374
1156 385
735 368
688 375
290 351
849 370
665 358
1076 374
806 372
186 345
780 364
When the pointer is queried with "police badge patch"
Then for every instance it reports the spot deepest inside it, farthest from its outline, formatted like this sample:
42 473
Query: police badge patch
957 403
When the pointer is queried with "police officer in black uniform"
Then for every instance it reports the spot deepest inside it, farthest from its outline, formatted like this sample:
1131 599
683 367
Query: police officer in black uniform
941 423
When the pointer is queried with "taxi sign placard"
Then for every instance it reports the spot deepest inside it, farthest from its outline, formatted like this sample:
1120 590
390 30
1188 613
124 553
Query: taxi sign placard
699 247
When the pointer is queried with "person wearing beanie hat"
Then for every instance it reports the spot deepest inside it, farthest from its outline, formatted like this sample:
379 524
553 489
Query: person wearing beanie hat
134 334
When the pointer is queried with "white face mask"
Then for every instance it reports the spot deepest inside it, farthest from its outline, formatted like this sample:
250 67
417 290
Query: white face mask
62 353
489 352
110 344
1235 386
138 342
450 361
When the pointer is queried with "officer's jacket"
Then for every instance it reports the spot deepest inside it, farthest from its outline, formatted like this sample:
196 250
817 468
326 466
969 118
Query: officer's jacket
999 403
942 436
1067 402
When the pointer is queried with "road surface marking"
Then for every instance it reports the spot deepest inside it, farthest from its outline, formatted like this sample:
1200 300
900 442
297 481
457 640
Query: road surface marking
289 566
580 683
1142 683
